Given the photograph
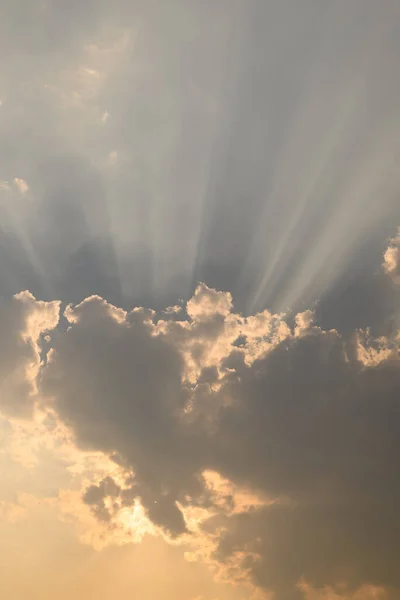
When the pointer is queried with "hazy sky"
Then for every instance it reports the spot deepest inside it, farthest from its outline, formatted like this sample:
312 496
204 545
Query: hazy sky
199 299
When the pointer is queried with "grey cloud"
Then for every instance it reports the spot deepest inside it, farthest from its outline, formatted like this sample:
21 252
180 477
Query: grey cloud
323 432
339 545
309 422
95 496
132 406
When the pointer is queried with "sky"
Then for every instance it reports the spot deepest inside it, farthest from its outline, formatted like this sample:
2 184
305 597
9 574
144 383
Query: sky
199 300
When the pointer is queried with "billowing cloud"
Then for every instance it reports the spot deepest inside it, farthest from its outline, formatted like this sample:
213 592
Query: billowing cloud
206 303
23 320
302 418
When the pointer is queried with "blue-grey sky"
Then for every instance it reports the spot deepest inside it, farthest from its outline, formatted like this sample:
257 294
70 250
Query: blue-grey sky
252 145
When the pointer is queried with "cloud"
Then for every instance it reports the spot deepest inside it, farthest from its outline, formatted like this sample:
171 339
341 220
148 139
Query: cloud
302 417
11 512
206 303
21 184
367 592
127 525
391 264
23 320
317 426
129 354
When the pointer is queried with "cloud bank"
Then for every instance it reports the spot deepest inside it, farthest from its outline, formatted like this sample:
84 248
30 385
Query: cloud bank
270 445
